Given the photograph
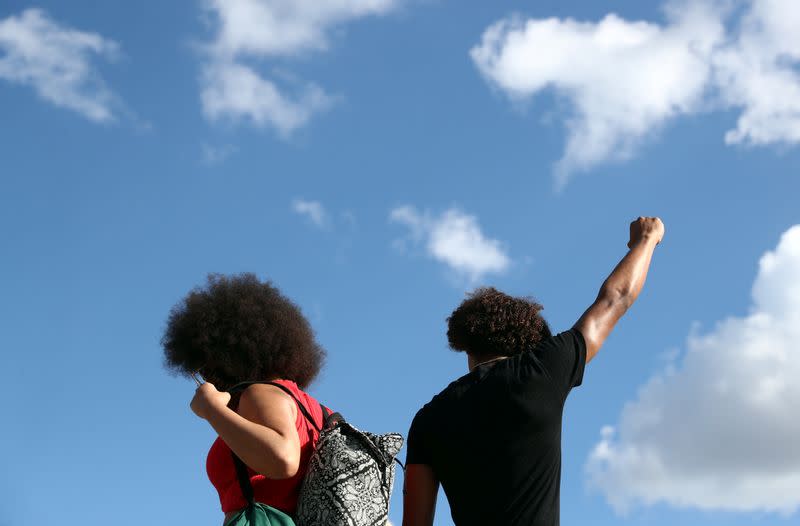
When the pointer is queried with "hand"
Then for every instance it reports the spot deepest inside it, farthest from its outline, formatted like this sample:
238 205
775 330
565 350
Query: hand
646 228
207 400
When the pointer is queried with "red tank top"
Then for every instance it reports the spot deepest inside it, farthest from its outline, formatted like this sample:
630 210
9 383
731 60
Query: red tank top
281 494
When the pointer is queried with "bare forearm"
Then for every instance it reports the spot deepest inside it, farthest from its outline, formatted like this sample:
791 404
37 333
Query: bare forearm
625 282
263 449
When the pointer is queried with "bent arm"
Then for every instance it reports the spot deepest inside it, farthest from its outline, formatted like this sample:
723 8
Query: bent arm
263 433
419 495
622 286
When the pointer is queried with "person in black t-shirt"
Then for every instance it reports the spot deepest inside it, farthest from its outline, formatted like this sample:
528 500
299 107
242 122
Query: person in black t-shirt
492 438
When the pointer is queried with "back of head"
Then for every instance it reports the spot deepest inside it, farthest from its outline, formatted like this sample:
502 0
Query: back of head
237 328
490 323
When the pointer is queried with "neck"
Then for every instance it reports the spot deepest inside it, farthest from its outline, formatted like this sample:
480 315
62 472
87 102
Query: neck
474 361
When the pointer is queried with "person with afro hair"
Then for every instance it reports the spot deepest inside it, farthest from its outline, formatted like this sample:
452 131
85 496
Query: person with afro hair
239 329
492 438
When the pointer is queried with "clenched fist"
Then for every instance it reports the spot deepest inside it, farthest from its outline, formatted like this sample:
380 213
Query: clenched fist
646 228
207 399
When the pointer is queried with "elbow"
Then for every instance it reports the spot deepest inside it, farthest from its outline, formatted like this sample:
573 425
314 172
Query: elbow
288 468
619 299
625 301
283 465
282 473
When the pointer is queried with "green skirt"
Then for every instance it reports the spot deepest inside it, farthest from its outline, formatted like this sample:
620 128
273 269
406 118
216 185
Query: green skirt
260 515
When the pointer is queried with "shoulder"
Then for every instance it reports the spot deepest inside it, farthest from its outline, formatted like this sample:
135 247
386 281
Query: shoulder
263 390
420 416
441 400
258 398
571 339
567 345
561 358
573 336
424 412
571 342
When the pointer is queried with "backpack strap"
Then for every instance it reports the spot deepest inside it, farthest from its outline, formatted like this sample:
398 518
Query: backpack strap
328 419
303 409
244 480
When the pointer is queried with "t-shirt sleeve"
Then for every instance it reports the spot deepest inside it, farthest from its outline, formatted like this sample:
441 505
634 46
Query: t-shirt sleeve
416 448
563 358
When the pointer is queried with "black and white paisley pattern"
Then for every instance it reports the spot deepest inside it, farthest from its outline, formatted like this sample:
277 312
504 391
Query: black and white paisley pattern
349 478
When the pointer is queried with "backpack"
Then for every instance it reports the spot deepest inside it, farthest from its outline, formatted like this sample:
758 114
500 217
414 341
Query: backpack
350 474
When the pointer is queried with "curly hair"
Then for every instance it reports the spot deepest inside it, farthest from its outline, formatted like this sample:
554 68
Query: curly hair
490 323
237 328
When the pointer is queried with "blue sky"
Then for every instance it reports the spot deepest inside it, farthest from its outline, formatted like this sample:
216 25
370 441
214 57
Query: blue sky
376 159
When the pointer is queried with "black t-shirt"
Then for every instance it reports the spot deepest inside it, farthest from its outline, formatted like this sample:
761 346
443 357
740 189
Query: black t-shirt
493 437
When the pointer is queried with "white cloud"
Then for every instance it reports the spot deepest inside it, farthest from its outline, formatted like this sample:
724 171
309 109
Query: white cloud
56 61
235 91
313 210
758 72
455 239
284 27
249 30
719 430
625 80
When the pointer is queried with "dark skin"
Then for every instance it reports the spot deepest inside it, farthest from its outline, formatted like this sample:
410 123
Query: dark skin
261 431
618 292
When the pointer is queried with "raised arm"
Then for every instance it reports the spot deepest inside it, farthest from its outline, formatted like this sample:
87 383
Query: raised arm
623 286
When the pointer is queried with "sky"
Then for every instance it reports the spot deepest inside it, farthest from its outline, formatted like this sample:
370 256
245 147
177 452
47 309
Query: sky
376 160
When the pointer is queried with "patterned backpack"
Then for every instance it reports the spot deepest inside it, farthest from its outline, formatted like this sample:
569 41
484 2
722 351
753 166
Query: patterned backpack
350 474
